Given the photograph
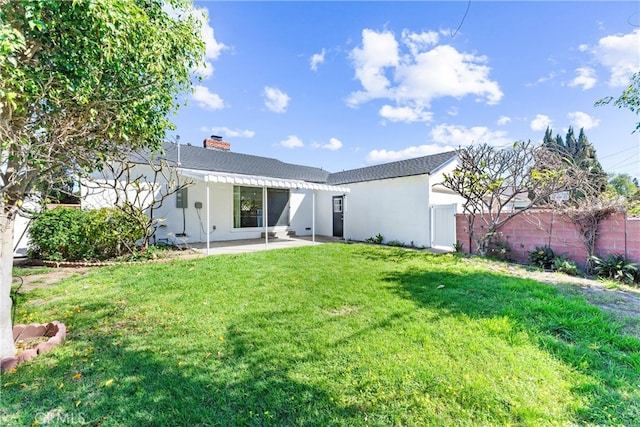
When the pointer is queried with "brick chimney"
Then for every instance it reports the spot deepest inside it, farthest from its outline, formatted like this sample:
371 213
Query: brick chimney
216 143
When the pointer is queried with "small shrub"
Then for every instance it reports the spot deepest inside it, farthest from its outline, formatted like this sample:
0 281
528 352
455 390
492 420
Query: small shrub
376 239
396 243
615 267
145 254
457 246
543 257
500 249
564 265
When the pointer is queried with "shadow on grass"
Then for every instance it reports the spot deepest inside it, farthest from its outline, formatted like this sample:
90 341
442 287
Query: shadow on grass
580 335
104 378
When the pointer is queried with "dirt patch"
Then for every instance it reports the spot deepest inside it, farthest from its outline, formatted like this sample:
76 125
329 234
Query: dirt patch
48 277
32 279
342 311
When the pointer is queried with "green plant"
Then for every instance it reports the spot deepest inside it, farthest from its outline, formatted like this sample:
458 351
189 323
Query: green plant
377 239
616 267
499 248
396 243
457 246
146 253
113 232
542 256
58 235
67 234
564 265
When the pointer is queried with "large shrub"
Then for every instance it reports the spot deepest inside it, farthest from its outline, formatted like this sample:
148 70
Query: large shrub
112 232
66 234
58 235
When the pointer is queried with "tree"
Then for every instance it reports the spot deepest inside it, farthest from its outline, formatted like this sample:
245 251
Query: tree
59 187
81 82
491 180
590 208
630 98
623 184
577 152
137 182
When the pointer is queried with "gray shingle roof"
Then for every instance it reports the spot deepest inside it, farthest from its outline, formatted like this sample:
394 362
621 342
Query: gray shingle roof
193 157
409 167
199 158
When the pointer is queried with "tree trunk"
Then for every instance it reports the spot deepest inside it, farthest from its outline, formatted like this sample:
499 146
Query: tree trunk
7 222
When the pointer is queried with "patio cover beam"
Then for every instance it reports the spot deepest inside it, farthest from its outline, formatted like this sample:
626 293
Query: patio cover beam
264 182
260 181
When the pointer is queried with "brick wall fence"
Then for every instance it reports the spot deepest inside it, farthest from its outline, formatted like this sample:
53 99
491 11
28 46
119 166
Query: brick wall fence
617 234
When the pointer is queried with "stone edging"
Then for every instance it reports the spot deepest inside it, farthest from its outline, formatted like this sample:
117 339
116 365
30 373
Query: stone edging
78 264
55 330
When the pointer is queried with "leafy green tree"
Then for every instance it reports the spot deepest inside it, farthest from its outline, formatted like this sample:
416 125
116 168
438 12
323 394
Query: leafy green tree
630 98
81 81
623 184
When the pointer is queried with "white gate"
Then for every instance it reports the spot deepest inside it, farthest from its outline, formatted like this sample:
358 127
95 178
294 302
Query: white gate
443 226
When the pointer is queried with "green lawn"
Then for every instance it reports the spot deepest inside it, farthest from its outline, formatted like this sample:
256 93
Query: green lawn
322 335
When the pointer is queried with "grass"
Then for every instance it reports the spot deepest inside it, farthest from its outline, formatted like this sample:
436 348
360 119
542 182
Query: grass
325 335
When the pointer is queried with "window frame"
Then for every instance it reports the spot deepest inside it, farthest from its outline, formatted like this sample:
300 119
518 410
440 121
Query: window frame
256 205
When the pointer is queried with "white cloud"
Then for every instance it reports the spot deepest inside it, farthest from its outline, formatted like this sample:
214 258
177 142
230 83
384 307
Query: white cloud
276 100
383 155
620 54
543 79
213 48
585 78
579 120
419 42
421 70
503 120
229 133
453 111
453 135
541 122
292 141
316 59
405 114
206 99
379 51
333 145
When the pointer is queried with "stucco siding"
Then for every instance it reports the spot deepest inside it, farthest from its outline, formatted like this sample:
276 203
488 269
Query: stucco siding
398 209
189 225
324 212
440 195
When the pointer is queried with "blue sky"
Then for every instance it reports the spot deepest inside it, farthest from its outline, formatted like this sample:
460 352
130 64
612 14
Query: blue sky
341 85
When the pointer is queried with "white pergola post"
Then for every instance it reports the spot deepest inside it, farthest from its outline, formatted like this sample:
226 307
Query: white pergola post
344 217
206 179
265 217
313 216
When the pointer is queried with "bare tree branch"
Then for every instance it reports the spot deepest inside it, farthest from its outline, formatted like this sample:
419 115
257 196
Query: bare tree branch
141 186
492 181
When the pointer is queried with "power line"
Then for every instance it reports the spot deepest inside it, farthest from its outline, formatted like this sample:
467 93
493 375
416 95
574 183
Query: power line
462 21
619 152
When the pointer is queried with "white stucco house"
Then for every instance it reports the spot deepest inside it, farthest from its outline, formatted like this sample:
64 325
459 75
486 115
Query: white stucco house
239 196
